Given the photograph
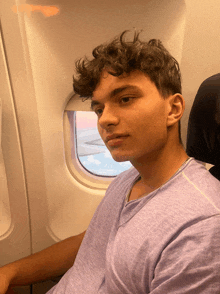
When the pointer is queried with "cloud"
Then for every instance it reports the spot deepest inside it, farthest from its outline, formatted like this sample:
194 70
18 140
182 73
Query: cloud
91 159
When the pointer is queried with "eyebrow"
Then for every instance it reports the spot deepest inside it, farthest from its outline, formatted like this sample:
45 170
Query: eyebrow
115 92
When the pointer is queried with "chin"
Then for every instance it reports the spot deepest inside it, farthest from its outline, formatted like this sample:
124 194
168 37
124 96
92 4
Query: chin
120 157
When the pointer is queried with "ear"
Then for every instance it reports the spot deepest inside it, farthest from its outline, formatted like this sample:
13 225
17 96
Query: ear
176 107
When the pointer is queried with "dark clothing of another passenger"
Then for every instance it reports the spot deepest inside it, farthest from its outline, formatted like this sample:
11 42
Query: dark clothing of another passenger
203 137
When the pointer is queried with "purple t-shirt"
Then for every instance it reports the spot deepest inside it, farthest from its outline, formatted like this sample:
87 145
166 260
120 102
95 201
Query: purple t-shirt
165 242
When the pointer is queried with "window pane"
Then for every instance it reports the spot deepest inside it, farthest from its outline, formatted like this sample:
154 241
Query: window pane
91 150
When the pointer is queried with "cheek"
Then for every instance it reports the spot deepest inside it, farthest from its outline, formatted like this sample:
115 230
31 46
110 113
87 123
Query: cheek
151 128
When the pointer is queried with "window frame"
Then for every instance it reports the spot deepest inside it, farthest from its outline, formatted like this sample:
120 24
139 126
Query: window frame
80 173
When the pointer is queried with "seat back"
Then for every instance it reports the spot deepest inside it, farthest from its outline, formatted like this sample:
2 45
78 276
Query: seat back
203 135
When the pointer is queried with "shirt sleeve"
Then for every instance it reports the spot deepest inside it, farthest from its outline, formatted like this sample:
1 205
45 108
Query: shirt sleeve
190 263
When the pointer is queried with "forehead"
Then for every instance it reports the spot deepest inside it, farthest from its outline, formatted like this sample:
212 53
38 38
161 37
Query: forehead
110 85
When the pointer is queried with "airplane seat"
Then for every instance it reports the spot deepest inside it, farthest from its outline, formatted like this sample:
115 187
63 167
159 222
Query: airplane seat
203 134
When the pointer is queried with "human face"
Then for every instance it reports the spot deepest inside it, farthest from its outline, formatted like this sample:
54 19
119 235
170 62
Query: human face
132 116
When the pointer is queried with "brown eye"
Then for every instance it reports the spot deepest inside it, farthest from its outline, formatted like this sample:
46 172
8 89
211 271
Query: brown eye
126 99
98 111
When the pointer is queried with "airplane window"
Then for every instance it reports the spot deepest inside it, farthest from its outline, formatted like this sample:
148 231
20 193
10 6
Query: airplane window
91 150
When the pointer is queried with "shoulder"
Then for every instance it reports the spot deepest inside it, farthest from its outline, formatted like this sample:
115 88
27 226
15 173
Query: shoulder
200 182
193 194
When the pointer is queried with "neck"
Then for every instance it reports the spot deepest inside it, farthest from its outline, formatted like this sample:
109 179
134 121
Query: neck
159 168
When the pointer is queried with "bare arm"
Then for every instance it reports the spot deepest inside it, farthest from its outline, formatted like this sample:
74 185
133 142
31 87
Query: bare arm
46 264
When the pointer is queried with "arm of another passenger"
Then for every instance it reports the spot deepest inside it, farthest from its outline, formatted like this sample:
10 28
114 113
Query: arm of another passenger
191 262
46 264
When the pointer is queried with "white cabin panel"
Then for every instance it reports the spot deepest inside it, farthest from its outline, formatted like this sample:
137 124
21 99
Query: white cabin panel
14 218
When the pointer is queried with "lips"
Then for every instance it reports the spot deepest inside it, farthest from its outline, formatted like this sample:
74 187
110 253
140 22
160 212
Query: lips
115 139
114 136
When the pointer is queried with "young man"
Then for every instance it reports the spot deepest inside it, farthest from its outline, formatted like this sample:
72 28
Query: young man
157 230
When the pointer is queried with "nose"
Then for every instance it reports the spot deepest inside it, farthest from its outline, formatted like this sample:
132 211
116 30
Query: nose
108 118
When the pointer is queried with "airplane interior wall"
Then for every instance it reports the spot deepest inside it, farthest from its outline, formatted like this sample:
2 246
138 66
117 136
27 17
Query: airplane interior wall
47 198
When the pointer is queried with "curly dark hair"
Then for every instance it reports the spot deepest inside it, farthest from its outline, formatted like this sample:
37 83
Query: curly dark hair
121 56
